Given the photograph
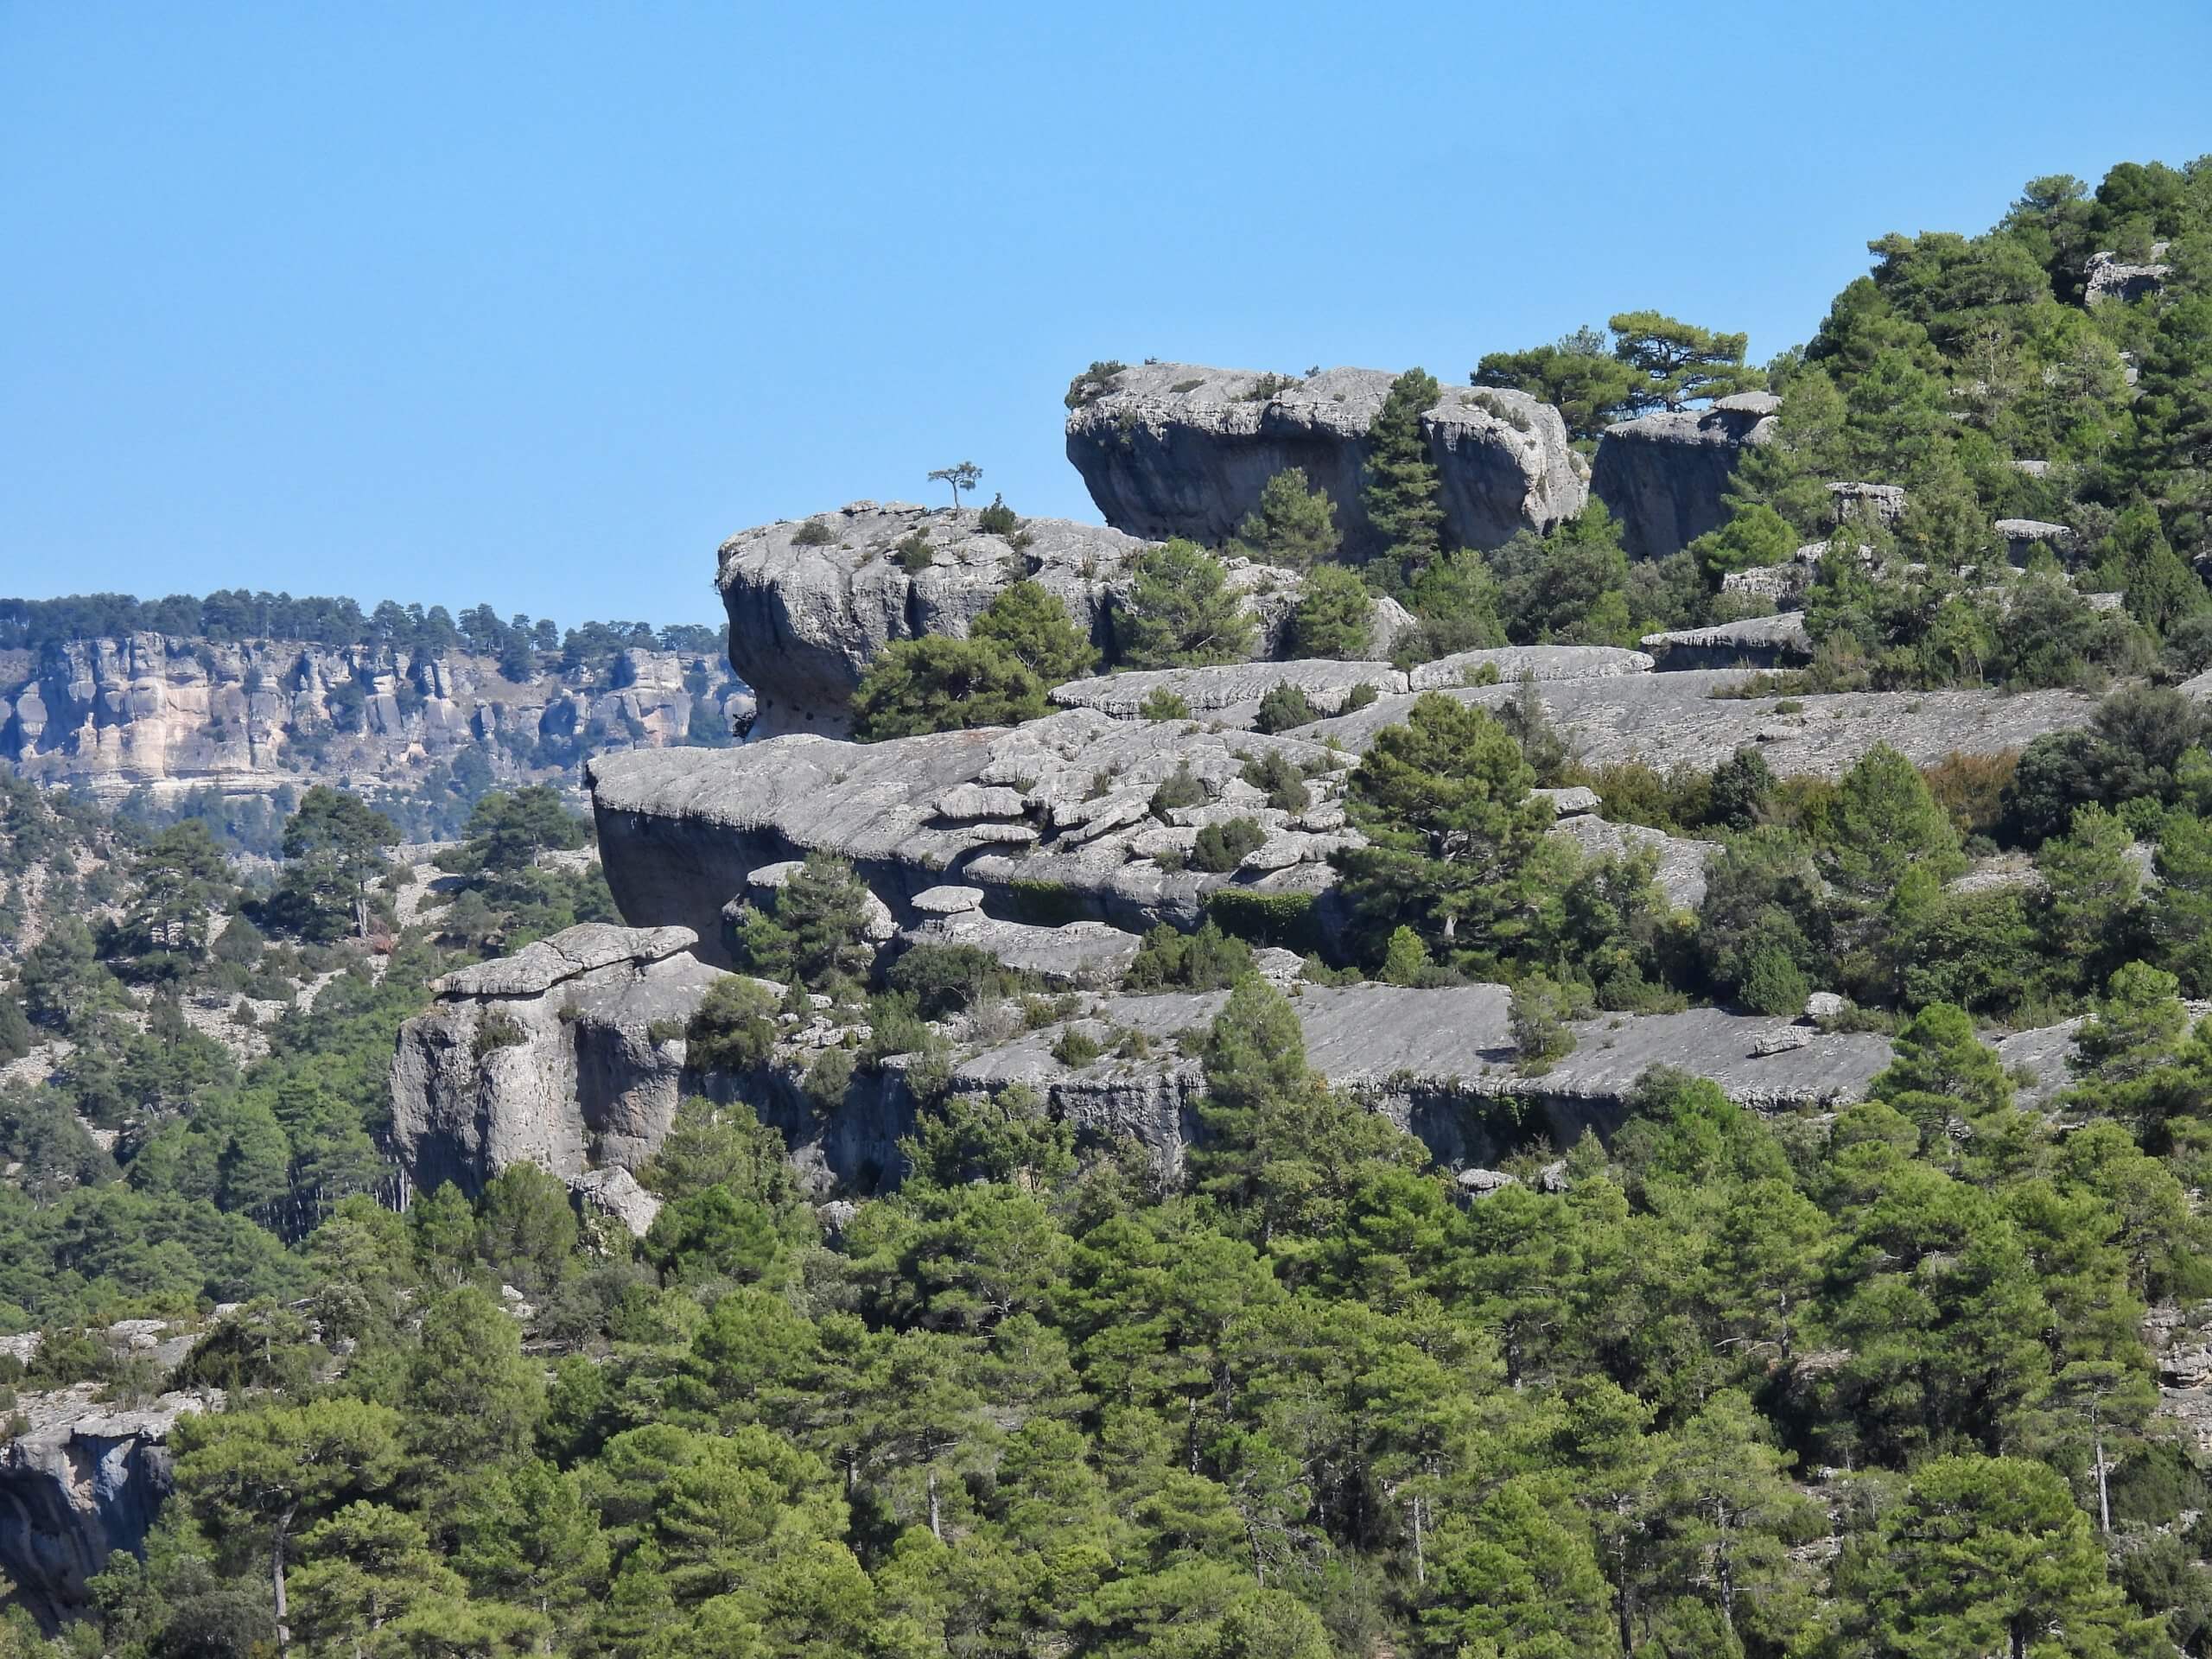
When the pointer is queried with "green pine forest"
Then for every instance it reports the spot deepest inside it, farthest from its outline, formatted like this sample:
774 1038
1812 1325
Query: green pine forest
1878 1382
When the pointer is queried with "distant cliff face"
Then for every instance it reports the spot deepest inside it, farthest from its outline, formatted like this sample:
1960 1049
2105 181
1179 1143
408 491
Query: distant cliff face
1172 450
175 713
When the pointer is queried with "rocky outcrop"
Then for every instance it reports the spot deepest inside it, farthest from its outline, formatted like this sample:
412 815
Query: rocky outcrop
1052 819
1662 474
1755 642
812 603
567 1055
172 713
82 1480
2111 278
1441 1063
2022 537
808 615
1230 695
1673 720
1173 449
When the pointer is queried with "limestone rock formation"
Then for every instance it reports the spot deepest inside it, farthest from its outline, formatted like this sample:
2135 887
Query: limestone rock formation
557 1056
1671 720
1755 642
81 1481
1662 474
1053 819
1230 695
1173 449
2111 278
806 616
172 713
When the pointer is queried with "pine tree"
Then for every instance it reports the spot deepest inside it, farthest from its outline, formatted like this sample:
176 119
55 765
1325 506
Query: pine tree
1404 496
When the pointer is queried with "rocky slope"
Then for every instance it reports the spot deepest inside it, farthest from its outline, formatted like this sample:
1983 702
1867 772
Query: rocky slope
172 713
1174 449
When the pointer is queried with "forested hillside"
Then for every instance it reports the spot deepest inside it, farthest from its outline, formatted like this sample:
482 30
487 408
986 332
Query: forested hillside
1173 1335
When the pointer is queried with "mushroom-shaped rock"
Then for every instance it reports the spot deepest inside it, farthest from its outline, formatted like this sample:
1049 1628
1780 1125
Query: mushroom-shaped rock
1756 642
1664 474
948 900
1175 449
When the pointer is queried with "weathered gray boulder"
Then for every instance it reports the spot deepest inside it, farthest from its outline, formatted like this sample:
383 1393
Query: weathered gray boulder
1173 449
2024 535
1084 956
1754 642
806 619
2111 278
1230 693
84 1480
557 1056
1513 664
1662 474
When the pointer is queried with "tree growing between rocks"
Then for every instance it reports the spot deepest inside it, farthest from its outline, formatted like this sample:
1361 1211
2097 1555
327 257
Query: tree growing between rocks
964 476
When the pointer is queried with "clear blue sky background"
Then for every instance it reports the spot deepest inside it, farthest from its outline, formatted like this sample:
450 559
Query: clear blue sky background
534 304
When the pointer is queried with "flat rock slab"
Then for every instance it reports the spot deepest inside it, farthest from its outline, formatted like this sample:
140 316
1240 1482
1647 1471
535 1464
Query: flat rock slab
1212 692
575 950
1081 954
1516 663
1667 721
1387 1040
1765 639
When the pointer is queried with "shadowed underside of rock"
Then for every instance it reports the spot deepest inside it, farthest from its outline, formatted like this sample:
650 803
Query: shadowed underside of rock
1176 449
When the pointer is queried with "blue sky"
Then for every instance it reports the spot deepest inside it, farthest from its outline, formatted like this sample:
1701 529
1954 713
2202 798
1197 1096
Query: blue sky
534 304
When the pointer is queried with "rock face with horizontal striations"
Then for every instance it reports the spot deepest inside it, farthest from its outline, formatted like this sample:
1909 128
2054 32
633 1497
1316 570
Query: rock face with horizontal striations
557 1056
680 840
1173 449
1662 474
171 713
1673 720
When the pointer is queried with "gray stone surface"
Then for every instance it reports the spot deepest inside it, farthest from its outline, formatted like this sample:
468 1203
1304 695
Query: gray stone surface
681 839
1179 450
614 1191
1885 501
1230 693
804 621
1670 719
2023 535
1754 642
1681 872
1515 662
1435 1061
538 967
1086 956
582 1085
2111 278
1662 474
84 1480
